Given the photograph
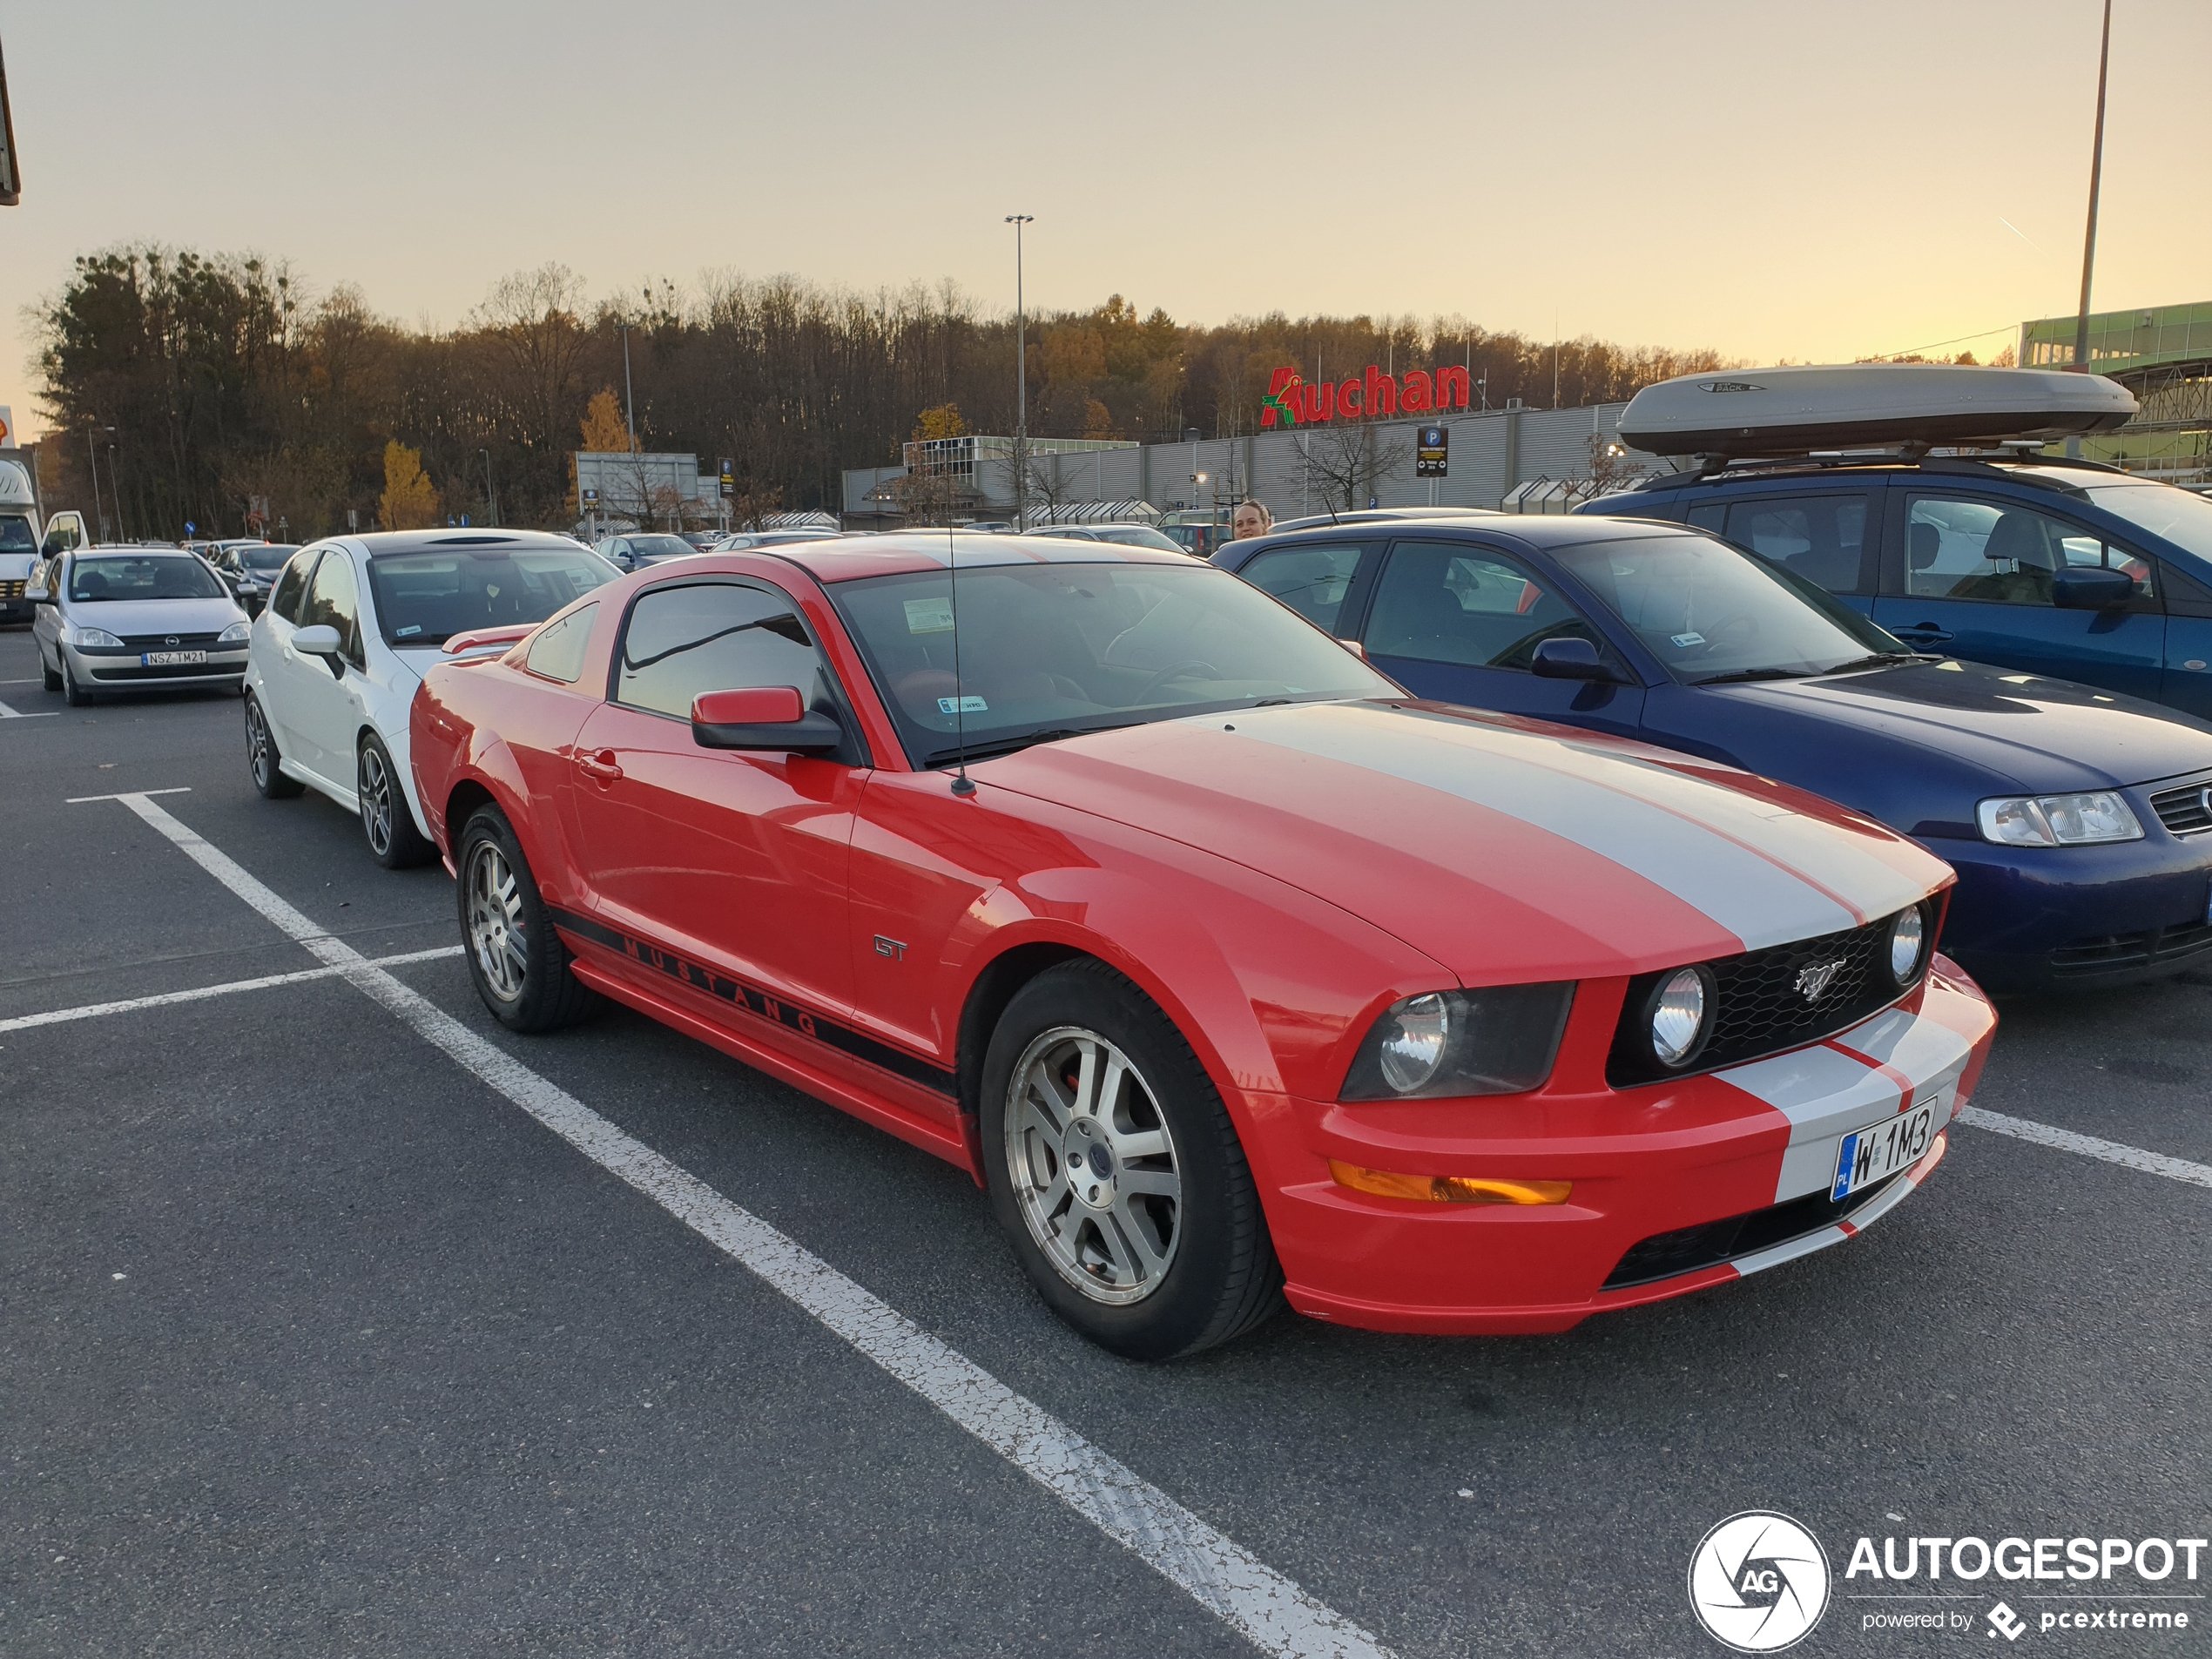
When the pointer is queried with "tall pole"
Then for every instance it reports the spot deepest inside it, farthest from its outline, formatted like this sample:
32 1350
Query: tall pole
491 498
2096 174
92 454
1021 381
629 398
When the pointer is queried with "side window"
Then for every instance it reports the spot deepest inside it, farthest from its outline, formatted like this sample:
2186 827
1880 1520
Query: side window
557 652
1443 601
2001 552
1710 516
1312 581
64 532
714 637
332 602
1822 539
291 587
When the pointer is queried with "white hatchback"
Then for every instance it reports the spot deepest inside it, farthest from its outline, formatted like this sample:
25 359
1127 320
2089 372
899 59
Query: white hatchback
351 625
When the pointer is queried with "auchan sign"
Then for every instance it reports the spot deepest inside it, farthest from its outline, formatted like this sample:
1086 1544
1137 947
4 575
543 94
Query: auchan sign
1291 401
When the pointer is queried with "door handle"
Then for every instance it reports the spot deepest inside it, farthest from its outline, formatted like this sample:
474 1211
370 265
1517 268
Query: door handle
1925 632
600 766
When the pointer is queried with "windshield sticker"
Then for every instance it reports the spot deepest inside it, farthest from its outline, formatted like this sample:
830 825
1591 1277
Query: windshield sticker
929 617
962 704
1686 640
412 627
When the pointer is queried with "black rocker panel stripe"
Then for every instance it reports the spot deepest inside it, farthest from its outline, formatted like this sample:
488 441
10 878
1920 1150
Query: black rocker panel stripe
821 1028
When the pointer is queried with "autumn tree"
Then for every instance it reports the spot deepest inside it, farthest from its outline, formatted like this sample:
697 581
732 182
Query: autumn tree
604 432
943 421
408 502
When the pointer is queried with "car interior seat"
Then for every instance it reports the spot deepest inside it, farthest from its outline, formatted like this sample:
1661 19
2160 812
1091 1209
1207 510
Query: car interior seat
2021 562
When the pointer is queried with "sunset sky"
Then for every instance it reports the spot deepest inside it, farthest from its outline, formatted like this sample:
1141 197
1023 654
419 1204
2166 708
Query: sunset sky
1771 180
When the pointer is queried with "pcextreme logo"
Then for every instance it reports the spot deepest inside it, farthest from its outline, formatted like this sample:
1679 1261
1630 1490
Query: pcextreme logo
1758 1582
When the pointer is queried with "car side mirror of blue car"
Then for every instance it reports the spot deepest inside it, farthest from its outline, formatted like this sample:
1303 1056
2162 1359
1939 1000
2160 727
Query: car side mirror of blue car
2091 589
1569 660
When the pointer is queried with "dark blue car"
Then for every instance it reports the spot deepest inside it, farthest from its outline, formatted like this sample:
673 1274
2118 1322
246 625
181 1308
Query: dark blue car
2080 820
2002 561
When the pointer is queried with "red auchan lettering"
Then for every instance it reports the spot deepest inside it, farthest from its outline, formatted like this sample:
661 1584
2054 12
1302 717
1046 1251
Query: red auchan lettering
1290 401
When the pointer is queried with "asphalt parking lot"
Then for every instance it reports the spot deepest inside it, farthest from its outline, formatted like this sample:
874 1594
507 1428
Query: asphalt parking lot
313 1341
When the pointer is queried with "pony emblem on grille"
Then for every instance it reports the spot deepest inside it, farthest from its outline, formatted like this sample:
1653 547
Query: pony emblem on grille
1815 978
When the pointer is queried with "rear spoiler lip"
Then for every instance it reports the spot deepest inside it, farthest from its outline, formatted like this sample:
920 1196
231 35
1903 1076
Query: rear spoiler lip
477 638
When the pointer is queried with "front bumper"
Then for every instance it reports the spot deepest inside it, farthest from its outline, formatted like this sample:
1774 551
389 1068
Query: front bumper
114 671
1715 1170
2023 920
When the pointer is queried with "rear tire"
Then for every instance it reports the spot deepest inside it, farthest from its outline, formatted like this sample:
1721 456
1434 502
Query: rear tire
387 819
262 760
519 964
1116 1173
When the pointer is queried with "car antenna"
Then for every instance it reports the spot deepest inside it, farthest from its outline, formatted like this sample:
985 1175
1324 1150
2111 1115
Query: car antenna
961 785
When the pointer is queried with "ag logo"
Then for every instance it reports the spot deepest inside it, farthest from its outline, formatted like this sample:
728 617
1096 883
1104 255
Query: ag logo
1758 1582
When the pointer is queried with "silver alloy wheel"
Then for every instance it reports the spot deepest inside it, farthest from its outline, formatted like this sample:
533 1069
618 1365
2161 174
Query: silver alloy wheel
257 743
495 923
1093 1166
374 784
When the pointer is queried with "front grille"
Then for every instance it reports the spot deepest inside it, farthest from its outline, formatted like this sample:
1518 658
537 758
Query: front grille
2118 952
1760 1008
2183 810
1687 1249
170 642
173 671
10 589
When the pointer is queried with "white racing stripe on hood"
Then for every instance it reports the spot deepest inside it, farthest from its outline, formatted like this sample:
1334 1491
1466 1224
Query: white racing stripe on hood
1693 846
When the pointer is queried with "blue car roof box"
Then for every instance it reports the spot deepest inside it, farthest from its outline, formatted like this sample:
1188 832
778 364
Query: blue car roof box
1799 410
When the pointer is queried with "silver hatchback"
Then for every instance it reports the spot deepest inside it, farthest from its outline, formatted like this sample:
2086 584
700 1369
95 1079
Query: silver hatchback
135 619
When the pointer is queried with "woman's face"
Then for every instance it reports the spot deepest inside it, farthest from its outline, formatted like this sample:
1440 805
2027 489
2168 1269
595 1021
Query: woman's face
1246 522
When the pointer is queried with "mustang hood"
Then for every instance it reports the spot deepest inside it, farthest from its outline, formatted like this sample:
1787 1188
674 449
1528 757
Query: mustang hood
2007 729
1505 849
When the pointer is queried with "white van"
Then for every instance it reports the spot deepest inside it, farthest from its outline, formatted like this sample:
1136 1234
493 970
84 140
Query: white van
18 540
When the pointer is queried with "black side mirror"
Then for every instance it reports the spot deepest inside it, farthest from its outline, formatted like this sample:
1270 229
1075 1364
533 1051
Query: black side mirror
1570 660
2091 588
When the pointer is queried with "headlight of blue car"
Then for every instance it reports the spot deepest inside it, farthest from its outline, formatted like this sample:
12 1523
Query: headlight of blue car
2058 820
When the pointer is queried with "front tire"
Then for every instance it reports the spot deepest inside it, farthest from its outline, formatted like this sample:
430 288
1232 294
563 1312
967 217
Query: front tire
50 677
1116 1171
261 757
387 819
72 693
519 964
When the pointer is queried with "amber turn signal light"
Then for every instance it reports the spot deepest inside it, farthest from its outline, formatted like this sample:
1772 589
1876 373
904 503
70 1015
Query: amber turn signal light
1448 1189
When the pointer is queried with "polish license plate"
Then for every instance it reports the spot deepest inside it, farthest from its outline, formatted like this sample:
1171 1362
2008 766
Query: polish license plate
170 658
1881 1149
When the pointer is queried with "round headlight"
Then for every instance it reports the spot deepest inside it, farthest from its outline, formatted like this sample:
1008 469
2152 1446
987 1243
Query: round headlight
1414 1049
1679 1011
1908 936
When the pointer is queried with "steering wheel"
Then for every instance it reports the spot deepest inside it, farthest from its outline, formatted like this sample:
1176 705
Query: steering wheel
1144 693
1728 625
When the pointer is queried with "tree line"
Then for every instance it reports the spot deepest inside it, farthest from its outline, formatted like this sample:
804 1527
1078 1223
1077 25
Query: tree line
203 384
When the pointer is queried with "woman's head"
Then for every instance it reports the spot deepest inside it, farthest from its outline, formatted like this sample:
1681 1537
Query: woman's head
1250 519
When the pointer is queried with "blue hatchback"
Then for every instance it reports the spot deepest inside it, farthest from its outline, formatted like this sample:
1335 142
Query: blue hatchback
2000 561
2080 820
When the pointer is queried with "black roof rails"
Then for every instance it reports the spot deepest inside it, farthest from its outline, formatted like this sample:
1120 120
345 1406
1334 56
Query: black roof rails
1984 465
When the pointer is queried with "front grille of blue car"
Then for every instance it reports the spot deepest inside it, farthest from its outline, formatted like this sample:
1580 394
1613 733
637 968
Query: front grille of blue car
2184 810
2121 953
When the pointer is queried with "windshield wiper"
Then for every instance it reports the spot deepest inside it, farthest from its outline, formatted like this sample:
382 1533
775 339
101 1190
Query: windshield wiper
1875 661
985 750
1756 674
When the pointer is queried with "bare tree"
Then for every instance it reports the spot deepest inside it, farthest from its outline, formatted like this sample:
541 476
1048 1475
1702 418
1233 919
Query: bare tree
1343 461
1048 487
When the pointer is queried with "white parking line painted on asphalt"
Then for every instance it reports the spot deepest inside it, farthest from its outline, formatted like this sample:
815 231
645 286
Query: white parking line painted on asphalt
97 1010
7 713
1224 1577
2065 1140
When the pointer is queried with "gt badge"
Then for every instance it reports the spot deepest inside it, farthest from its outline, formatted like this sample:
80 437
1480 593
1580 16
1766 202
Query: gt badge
1815 979
890 947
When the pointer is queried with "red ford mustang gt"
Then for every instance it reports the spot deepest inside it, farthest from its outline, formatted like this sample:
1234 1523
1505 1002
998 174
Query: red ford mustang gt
1230 972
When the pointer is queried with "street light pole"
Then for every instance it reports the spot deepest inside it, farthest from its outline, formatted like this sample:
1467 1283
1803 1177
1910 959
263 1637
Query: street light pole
2096 172
1022 381
491 496
629 400
92 454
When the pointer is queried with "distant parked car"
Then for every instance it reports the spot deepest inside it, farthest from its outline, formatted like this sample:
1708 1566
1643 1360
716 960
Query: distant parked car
135 619
249 569
634 552
744 539
1126 534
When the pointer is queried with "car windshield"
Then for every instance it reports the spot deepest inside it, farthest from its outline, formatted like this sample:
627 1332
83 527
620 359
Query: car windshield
269 557
1052 650
2181 516
426 598
107 578
15 535
660 547
1711 611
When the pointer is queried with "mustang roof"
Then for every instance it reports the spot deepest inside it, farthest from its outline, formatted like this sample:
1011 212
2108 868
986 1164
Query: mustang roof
850 558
